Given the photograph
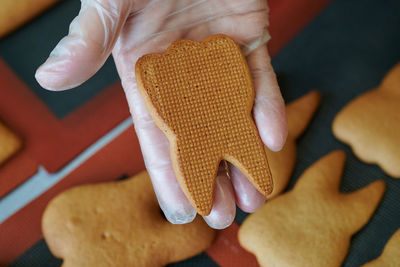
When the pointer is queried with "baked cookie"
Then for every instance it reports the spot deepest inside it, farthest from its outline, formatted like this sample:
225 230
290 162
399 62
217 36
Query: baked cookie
391 254
118 224
299 113
370 124
14 13
9 143
201 95
312 224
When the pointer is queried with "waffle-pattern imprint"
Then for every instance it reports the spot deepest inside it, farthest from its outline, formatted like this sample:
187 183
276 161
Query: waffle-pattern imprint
201 95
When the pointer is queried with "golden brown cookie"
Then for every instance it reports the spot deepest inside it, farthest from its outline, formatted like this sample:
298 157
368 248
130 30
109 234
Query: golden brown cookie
299 114
201 95
9 143
312 224
370 124
118 224
391 254
14 13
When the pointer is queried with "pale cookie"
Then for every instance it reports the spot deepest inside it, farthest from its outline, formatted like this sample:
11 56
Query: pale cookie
9 143
299 113
201 95
370 124
391 254
118 224
312 224
14 13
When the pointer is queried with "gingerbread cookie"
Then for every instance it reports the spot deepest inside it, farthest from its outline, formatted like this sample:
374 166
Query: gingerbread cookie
118 224
312 224
299 114
9 143
370 124
14 13
391 254
201 95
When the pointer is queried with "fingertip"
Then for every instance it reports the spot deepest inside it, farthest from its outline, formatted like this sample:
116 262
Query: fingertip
52 80
174 204
224 209
68 65
179 217
253 206
271 121
274 140
248 198
40 77
176 211
219 223
90 40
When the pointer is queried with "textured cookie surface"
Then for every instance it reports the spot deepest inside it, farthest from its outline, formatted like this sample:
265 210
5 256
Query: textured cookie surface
118 224
370 124
312 224
391 254
201 95
9 143
14 13
299 114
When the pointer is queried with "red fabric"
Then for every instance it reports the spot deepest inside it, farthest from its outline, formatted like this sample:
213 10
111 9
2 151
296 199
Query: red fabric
288 17
48 141
226 250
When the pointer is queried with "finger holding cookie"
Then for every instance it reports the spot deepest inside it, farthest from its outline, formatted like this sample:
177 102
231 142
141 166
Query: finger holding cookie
224 208
130 29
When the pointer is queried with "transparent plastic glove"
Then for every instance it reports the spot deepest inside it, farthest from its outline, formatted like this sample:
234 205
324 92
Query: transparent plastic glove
130 29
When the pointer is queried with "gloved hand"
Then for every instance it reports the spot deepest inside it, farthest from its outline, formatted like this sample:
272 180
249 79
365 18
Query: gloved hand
132 28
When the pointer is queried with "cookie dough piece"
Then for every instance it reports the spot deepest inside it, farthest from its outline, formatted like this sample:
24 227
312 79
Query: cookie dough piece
118 224
370 124
391 254
9 143
14 13
201 95
312 224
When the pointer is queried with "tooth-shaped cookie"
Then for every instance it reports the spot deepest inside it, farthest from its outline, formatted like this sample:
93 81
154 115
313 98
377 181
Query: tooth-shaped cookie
299 113
9 143
118 224
391 254
370 124
312 224
201 95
